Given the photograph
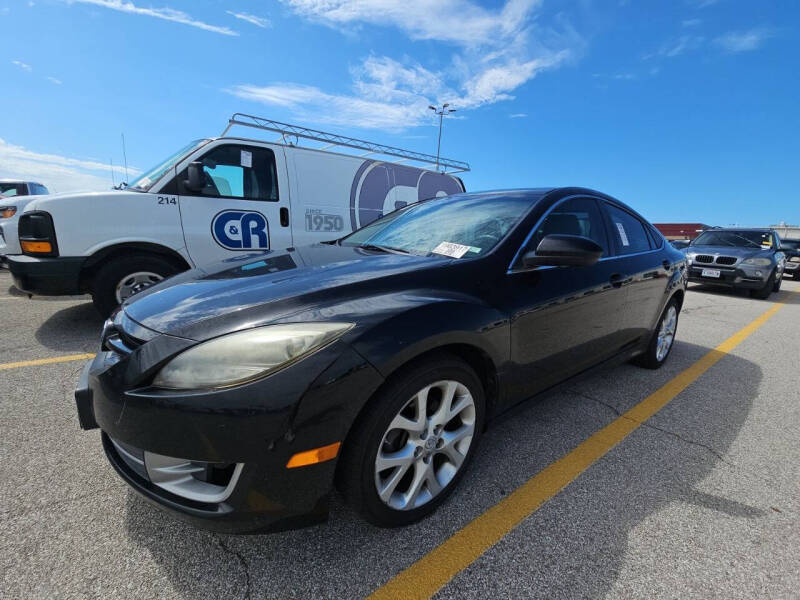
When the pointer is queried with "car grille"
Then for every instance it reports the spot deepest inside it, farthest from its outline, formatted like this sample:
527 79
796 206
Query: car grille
707 259
198 481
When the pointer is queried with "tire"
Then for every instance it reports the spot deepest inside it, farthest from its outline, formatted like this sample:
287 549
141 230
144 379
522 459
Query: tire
765 291
662 340
372 435
148 268
778 282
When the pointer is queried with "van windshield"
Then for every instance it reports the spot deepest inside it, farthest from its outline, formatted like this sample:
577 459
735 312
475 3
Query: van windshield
145 181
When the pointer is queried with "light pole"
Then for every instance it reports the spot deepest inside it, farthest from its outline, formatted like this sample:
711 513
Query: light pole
441 112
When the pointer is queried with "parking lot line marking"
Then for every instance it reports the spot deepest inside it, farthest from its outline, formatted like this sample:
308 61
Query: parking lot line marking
434 570
45 361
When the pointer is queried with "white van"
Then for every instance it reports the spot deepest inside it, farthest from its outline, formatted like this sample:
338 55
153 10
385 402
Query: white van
215 199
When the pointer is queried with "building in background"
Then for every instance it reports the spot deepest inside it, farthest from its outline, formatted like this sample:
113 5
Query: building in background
791 232
681 231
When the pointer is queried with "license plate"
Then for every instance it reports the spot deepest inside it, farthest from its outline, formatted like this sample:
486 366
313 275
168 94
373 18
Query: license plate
711 273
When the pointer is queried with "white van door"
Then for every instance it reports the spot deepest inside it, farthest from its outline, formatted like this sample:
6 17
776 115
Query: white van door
243 206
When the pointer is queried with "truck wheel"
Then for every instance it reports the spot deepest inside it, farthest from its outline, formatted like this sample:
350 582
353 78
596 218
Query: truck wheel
765 291
120 278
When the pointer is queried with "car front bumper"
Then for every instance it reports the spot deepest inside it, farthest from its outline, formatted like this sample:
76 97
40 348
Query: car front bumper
249 431
732 277
58 276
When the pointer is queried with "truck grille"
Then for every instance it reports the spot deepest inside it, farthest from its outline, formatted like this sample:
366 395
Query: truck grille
707 259
726 260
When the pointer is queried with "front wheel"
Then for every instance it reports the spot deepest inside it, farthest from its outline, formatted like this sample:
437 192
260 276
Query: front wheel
411 446
120 278
663 338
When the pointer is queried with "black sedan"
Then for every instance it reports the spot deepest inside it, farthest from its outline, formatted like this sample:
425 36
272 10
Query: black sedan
237 397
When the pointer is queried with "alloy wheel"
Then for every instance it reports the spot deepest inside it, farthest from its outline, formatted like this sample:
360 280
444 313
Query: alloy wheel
666 334
425 445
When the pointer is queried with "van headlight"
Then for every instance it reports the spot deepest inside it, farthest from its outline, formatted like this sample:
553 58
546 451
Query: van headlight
757 262
243 356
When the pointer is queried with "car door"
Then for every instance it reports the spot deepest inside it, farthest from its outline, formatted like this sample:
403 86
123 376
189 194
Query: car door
563 319
243 205
645 270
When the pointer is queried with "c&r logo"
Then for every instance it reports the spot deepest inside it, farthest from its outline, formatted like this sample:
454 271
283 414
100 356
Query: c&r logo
241 230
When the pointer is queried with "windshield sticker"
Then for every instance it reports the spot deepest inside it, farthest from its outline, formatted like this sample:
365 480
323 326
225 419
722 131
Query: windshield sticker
451 249
247 159
622 235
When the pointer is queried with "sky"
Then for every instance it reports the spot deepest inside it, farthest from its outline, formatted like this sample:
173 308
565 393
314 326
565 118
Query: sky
687 110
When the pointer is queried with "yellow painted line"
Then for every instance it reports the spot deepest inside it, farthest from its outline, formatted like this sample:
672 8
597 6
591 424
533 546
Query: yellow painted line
45 361
431 572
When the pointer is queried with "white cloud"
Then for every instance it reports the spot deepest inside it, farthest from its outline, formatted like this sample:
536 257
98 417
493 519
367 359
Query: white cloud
58 173
262 22
167 14
22 65
54 80
458 21
518 115
683 44
692 22
499 51
703 3
743 41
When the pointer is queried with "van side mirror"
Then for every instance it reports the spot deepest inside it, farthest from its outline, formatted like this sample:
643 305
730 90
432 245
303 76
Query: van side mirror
195 177
557 250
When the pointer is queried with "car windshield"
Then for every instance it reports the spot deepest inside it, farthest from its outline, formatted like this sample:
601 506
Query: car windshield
146 180
793 244
456 226
742 239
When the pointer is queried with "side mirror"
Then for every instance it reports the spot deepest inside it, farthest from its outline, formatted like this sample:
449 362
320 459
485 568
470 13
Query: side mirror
558 250
195 177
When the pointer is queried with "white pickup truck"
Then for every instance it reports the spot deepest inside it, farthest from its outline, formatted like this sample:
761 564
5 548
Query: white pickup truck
215 199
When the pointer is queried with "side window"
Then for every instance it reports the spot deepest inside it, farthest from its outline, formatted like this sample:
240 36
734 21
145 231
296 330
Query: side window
628 231
576 216
234 171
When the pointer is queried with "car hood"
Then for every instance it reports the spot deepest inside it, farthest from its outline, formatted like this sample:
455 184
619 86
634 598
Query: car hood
254 290
729 251
68 199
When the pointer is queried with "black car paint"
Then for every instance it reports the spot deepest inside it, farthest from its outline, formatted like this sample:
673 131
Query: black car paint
523 331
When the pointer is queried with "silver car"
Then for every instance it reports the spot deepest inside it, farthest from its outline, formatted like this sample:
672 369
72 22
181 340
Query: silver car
750 259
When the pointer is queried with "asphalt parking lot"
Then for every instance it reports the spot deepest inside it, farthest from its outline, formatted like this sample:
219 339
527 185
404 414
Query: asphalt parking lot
700 500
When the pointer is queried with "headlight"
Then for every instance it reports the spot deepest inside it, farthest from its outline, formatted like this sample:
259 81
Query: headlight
757 262
245 355
795 259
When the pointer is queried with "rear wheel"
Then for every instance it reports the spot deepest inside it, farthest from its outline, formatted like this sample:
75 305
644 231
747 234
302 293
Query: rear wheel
764 292
120 278
663 338
410 448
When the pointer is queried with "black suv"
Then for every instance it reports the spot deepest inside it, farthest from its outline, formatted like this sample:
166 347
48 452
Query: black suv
791 248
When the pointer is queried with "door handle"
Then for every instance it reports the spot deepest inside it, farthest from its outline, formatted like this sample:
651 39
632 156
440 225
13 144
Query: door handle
667 265
284 213
618 280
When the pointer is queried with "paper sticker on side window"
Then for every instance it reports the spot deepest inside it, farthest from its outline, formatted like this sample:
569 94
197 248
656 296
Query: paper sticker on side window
247 159
622 235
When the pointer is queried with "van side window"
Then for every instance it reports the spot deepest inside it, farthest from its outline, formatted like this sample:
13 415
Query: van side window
234 171
576 216
628 232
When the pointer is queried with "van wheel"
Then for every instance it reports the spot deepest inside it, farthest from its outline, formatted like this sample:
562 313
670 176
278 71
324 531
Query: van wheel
120 278
663 338
412 444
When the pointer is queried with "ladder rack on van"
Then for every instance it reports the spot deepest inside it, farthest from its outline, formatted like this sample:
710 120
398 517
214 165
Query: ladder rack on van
334 140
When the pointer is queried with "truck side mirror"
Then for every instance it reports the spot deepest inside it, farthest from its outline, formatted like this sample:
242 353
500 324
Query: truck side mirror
195 177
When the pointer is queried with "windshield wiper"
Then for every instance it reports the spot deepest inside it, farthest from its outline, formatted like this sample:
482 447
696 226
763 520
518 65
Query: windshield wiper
387 249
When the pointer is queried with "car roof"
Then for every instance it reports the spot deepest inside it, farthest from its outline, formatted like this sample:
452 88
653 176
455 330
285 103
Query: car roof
741 229
18 181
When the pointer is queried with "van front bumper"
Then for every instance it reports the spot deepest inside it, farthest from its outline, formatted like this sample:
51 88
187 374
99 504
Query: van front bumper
59 276
238 438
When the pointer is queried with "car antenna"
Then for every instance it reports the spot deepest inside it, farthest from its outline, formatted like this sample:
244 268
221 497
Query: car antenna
125 158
